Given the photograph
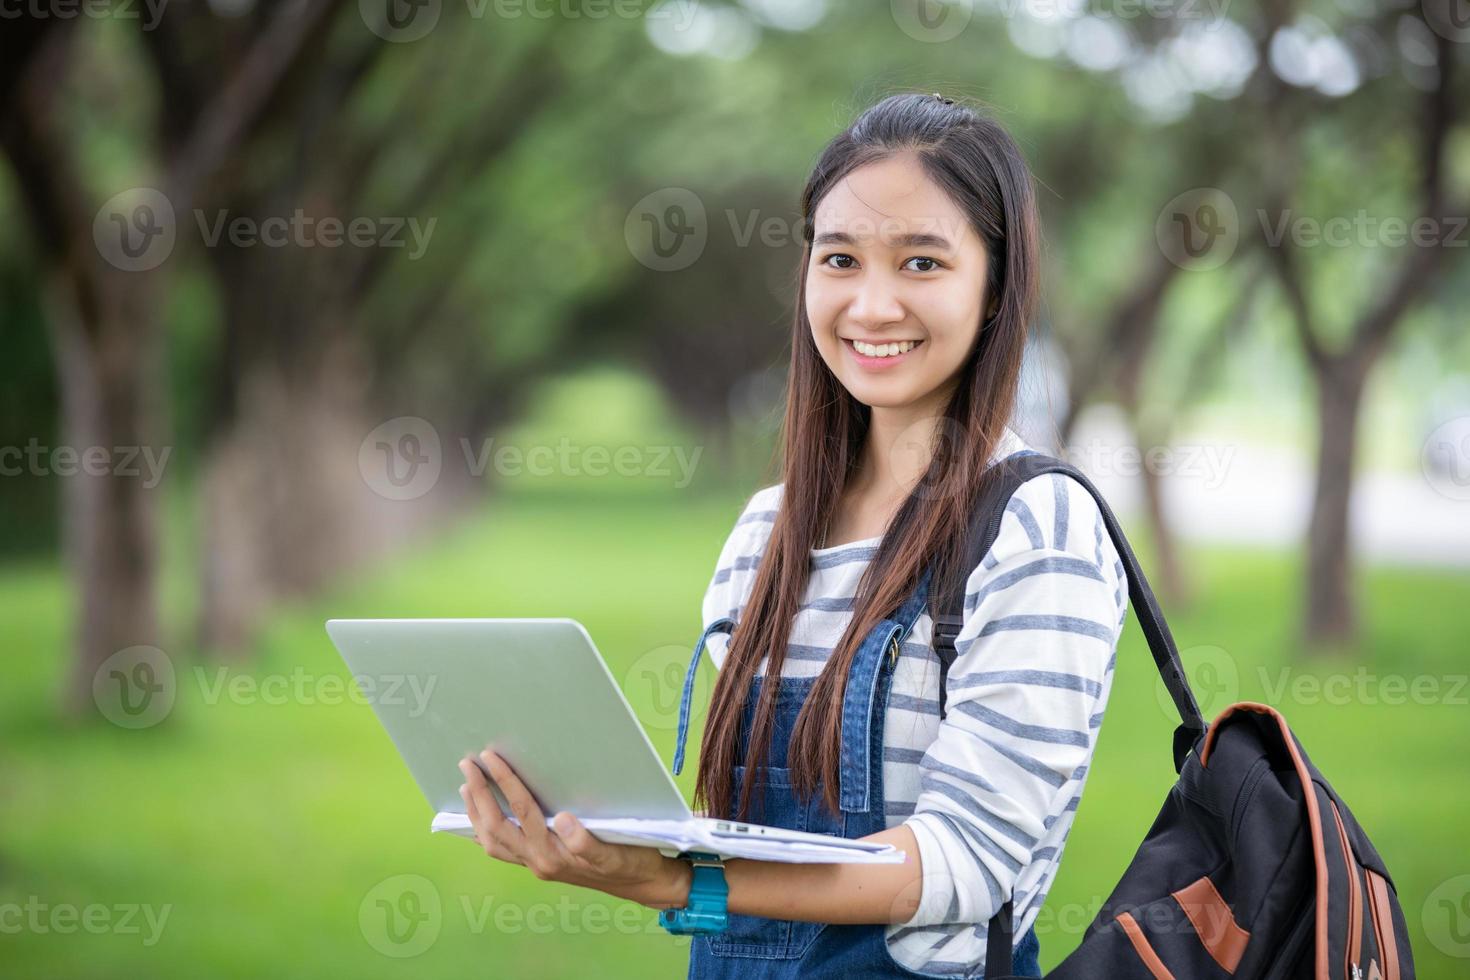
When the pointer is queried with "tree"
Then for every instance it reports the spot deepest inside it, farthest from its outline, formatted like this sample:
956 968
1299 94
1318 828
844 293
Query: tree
104 313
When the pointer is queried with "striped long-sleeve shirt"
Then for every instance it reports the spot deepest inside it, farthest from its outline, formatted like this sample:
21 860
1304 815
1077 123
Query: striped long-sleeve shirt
989 792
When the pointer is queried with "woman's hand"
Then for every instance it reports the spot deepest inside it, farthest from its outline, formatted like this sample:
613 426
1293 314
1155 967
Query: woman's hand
569 854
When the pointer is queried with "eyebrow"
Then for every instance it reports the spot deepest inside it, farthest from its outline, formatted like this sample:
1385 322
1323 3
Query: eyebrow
910 240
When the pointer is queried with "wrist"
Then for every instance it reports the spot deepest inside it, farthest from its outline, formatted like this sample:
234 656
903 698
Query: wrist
671 887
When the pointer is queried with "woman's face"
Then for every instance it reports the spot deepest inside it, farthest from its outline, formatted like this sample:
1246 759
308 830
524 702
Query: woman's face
894 262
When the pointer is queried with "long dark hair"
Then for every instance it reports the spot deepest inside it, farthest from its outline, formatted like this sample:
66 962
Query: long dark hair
976 162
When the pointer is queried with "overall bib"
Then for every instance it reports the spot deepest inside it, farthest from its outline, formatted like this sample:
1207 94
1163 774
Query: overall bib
753 946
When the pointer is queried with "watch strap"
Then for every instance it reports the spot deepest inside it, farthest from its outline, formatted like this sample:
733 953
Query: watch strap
707 909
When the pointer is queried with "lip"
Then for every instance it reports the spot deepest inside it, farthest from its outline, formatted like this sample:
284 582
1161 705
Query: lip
878 363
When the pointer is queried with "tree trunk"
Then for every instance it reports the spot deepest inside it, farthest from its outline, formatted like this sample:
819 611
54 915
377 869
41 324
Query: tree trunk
1171 583
106 365
1331 617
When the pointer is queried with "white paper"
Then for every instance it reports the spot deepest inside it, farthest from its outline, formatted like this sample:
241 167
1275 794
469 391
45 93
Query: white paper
673 836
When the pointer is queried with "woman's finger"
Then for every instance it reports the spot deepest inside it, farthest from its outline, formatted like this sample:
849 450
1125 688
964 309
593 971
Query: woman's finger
492 824
579 842
522 803
473 812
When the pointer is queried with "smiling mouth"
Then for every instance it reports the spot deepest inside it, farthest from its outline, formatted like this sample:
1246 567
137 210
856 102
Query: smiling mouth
880 354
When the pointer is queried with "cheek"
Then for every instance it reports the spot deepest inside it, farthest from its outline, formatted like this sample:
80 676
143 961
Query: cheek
952 317
822 306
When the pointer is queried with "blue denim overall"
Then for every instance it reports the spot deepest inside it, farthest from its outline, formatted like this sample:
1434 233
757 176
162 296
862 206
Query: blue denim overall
753 946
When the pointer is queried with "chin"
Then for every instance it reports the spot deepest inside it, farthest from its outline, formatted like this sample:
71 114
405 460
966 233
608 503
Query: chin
881 396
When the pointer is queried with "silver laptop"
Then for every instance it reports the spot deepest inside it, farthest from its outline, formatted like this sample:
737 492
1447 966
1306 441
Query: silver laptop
539 694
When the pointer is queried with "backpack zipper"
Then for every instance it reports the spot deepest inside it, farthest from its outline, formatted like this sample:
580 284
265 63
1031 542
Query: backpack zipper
1354 945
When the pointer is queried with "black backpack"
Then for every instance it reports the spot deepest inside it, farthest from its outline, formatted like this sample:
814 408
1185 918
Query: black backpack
1254 869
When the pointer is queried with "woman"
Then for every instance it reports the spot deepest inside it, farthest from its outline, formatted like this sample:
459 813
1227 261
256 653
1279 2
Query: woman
918 282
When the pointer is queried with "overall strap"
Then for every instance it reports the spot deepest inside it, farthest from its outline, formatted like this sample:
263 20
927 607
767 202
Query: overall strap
857 770
725 624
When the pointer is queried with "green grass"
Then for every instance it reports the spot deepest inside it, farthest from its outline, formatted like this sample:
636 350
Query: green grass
264 829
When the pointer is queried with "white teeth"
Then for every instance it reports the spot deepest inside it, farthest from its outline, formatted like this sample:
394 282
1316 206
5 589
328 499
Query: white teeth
884 350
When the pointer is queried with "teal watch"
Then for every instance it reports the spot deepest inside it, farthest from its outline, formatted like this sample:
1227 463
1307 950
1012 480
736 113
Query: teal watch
708 895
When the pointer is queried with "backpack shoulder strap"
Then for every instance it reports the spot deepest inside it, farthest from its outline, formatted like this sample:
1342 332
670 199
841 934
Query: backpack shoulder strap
946 598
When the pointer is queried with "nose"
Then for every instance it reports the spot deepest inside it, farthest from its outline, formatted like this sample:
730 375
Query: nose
876 302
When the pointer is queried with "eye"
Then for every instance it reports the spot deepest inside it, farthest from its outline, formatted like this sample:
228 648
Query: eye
838 255
933 263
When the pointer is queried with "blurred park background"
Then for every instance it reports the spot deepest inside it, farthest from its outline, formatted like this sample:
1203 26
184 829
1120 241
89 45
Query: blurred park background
436 308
